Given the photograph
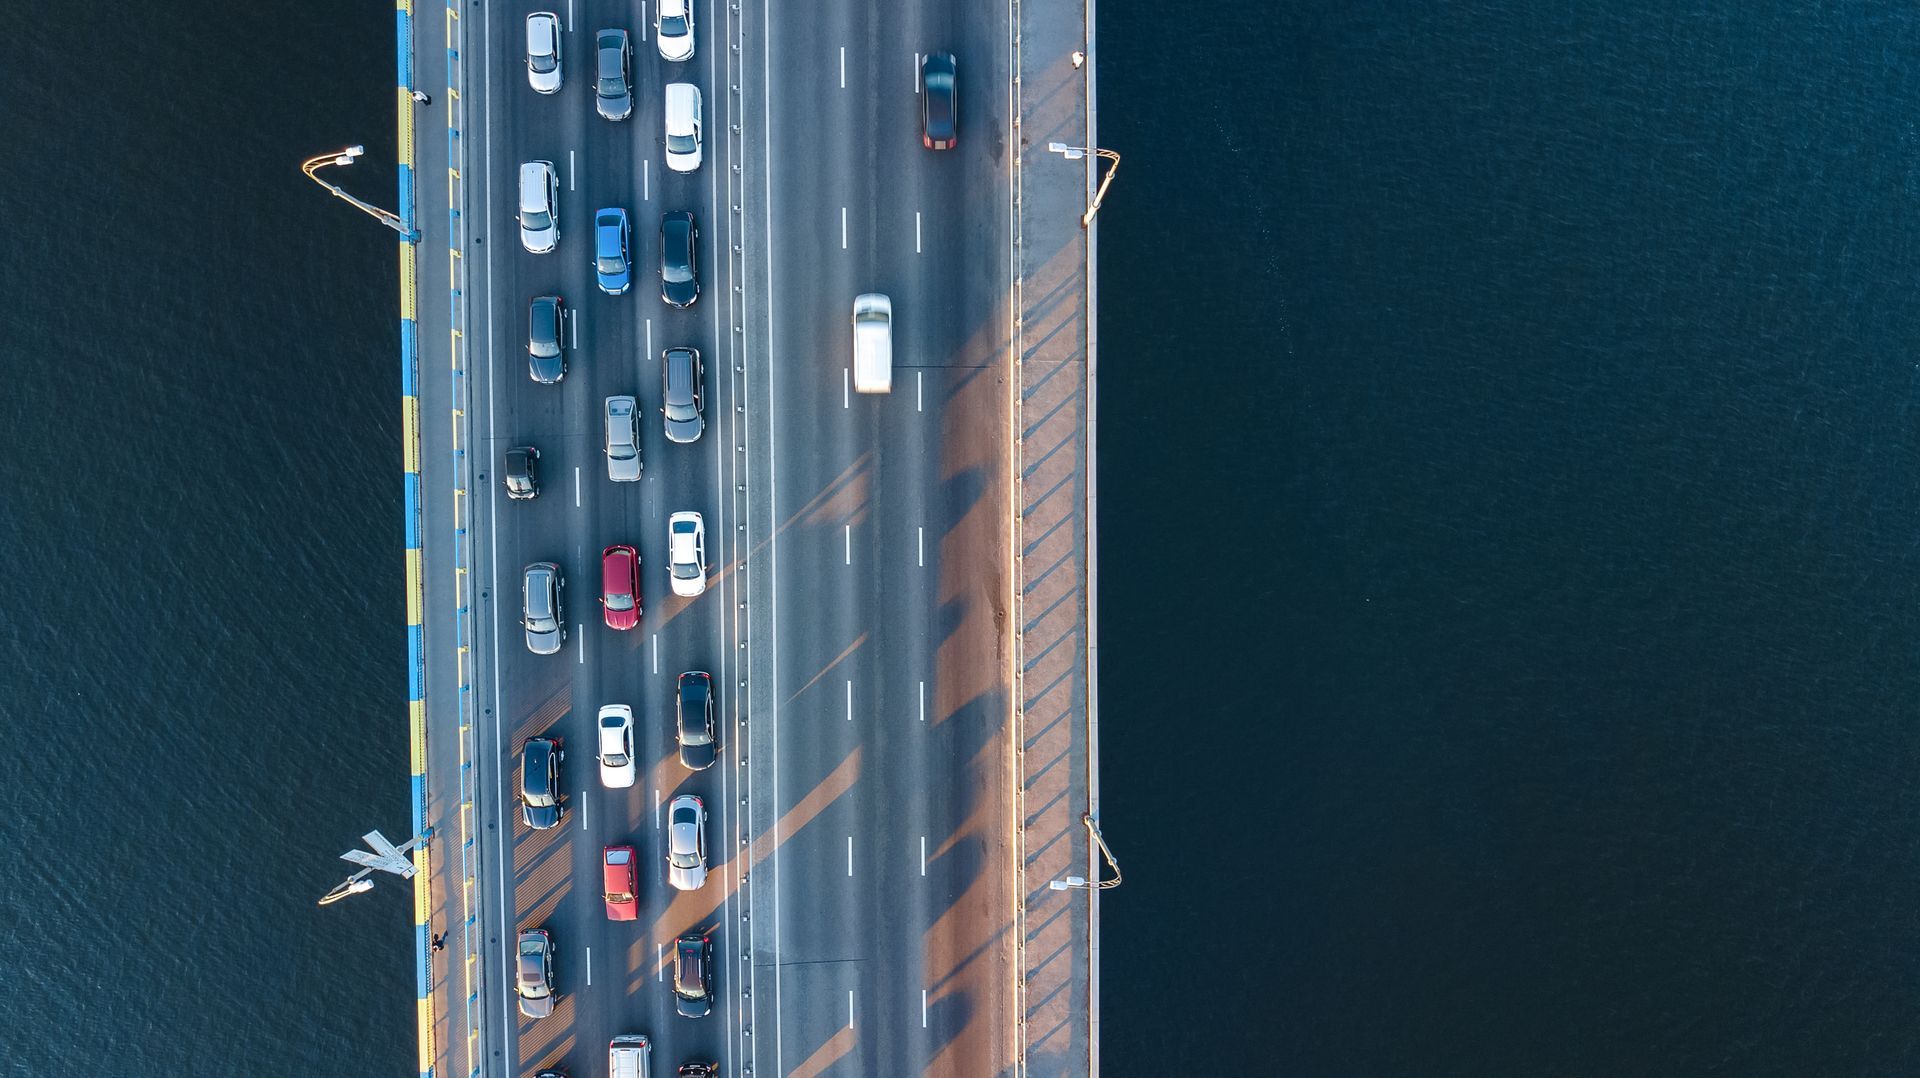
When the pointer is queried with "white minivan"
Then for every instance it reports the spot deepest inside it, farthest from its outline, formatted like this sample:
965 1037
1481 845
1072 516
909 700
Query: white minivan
872 343
629 1056
683 126
539 207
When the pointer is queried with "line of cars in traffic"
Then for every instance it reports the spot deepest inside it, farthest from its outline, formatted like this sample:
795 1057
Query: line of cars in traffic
543 613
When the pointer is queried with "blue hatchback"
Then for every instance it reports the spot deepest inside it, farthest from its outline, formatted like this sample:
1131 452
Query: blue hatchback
610 261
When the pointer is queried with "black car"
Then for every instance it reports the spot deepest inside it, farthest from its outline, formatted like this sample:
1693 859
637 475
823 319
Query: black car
939 102
699 1070
681 401
540 801
693 976
679 277
518 469
546 348
694 706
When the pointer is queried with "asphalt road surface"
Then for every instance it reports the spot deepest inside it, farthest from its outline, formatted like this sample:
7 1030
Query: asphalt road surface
859 812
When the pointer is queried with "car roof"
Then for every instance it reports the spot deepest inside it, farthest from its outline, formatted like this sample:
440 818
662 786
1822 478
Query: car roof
542 28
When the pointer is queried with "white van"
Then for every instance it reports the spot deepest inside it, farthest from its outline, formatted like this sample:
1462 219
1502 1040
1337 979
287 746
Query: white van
872 343
539 207
683 126
629 1056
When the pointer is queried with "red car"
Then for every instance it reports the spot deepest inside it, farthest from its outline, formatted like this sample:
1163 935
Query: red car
621 886
620 586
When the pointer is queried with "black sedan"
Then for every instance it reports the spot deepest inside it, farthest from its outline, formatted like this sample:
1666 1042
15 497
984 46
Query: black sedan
679 277
694 705
540 801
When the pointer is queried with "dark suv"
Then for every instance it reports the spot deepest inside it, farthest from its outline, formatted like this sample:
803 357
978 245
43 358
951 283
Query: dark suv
693 976
519 472
679 277
541 805
681 400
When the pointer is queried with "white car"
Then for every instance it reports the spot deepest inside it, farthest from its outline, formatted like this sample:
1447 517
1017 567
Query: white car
872 343
539 207
686 843
623 440
673 29
687 553
543 52
682 118
616 746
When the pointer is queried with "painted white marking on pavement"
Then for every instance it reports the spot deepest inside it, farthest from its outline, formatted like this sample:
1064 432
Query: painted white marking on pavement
849 875
849 544
919 391
659 962
572 177
656 808
569 16
921 542
646 195
843 67
843 228
923 1008
849 997
923 871
583 814
576 486
580 630
849 700
589 967
656 653
573 328
916 232
916 73
846 398
643 20
923 701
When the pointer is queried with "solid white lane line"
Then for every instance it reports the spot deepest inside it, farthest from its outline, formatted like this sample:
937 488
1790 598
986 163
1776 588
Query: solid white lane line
572 176
923 701
580 630
843 228
921 540
589 967
919 391
849 544
923 1008
846 398
646 195
843 67
916 232
576 486
849 700
656 808
656 653
923 871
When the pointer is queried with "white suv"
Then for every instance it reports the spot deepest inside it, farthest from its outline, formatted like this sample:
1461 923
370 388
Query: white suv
543 52
683 126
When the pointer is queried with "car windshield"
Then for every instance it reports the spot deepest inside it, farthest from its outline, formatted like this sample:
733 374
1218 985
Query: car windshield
685 859
536 220
619 600
613 81
619 896
611 262
614 759
673 25
694 732
686 570
620 450
680 143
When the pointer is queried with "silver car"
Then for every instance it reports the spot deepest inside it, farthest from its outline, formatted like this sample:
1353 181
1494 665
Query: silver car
680 394
673 29
543 52
623 440
533 973
612 95
541 611
686 843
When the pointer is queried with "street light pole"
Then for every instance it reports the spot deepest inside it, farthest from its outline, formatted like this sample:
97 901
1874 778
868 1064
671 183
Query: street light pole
386 857
312 166
1080 881
1075 153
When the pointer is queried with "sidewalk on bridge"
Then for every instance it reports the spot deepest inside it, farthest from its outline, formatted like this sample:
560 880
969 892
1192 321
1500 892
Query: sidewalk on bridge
452 968
1058 998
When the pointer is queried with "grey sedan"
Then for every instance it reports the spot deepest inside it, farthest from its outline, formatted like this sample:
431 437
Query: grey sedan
541 609
681 401
623 440
686 843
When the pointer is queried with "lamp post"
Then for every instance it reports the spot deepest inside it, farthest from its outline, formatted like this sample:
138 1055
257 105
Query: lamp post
1075 153
1078 881
386 857
312 166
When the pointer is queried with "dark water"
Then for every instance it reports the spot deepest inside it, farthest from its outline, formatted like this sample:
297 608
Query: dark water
1554 455
1556 471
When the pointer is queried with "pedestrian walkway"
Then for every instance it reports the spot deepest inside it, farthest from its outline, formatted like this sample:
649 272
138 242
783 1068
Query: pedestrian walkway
1058 994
